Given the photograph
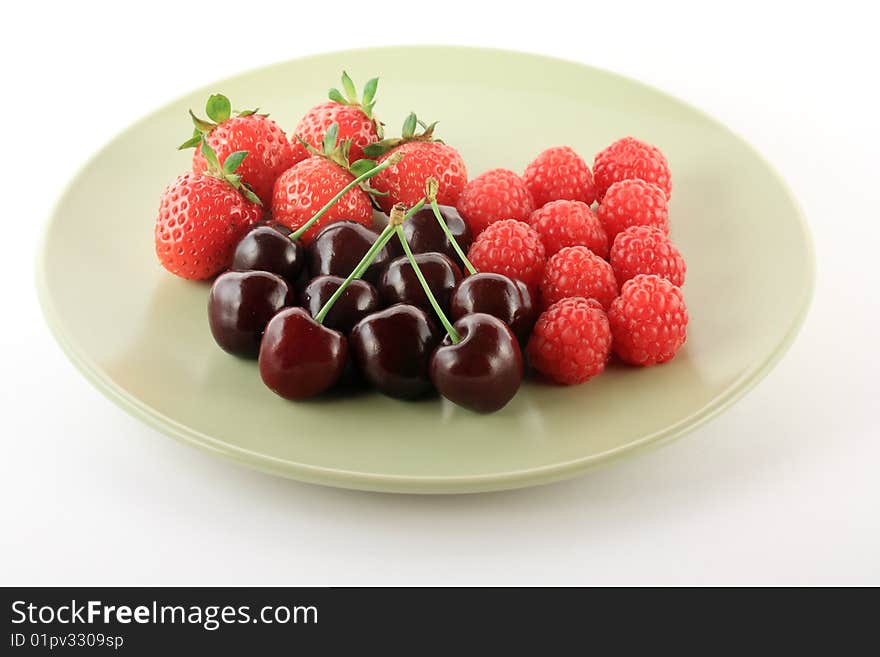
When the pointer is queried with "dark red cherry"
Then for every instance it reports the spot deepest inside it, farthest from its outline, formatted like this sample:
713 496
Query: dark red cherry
266 248
340 246
300 358
424 234
357 301
241 304
399 283
392 349
495 294
484 370
299 285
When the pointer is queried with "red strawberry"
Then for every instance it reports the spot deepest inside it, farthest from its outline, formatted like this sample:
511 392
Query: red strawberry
425 158
269 151
354 118
202 216
307 186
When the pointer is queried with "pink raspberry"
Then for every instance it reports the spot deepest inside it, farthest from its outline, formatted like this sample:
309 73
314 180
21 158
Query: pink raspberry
578 272
493 196
512 248
648 320
633 203
646 250
569 223
631 158
559 174
571 341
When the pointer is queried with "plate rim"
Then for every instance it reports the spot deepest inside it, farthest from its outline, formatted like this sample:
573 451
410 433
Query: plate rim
391 483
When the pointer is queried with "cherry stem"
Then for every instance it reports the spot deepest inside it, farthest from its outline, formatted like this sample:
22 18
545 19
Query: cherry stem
390 162
418 206
453 334
467 263
431 187
357 272
384 237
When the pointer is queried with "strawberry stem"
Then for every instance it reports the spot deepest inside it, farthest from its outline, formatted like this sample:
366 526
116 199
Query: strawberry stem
431 187
383 239
398 228
391 161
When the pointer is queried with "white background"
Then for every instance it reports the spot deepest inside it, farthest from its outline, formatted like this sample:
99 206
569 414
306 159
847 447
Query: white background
782 489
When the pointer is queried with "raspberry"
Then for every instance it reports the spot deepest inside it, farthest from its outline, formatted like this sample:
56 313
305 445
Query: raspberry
569 223
633 203
630 158
648 320
646 250
492 196
559 174
512 248
578 272
571 341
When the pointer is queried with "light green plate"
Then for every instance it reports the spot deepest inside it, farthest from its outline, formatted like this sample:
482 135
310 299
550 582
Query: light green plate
141 335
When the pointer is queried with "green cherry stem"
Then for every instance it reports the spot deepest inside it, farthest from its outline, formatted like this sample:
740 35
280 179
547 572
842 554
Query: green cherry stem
383 239
431 187
390 162
453 334
418 206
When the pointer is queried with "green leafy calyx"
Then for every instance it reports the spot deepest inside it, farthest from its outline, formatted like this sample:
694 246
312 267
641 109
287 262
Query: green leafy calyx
408 133
227 170
337 151
219 109
349 95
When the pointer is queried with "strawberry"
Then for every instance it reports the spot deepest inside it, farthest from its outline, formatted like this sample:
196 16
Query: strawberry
269 151
425 158
202 216
354 118
305 188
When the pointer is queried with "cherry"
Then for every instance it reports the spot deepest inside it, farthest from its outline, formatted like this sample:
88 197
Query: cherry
266 248
299 357
339 247
530 306
392 349
424 233
241 304
495 294
358 300
483 369
261 249
299 285
400 284
479 364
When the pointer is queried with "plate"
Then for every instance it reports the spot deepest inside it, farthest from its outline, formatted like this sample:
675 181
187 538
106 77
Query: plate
141 335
